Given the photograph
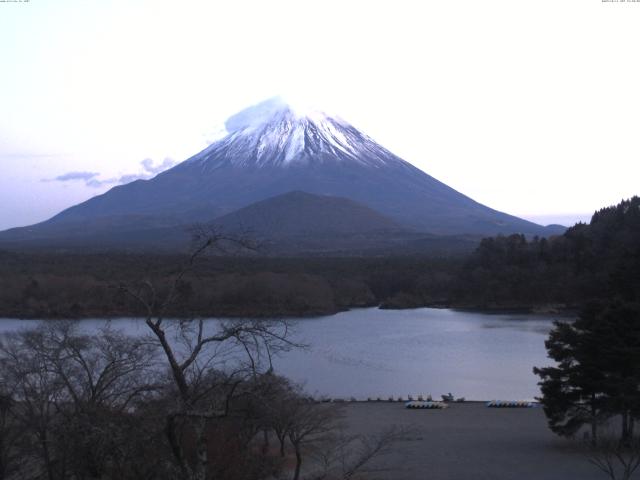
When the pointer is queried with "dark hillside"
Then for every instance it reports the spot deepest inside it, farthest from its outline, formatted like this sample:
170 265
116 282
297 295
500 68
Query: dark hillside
589 261
299 214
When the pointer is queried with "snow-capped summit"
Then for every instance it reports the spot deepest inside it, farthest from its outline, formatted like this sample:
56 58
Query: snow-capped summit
273 148
277 133
264 111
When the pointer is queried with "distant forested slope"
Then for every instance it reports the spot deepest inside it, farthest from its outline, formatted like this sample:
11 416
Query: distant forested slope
600 260
589 261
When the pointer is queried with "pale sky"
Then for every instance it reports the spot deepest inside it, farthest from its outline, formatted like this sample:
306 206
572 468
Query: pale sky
528 106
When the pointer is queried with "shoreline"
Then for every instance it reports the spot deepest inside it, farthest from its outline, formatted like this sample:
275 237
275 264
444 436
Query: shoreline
563 311
344 401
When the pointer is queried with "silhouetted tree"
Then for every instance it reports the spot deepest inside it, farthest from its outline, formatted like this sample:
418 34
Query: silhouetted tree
598 370
573 391
193 349
310 423
10 436
72 393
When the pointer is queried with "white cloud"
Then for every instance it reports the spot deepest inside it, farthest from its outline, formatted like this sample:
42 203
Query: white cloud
86 176
91 179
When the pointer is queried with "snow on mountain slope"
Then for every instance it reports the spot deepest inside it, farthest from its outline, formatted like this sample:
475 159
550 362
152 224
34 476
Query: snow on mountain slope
271 149
275 134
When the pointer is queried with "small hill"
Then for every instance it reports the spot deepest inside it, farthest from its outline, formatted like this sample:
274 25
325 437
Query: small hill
292 224
304 214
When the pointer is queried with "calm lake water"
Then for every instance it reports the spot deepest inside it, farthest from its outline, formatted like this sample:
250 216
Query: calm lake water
371 352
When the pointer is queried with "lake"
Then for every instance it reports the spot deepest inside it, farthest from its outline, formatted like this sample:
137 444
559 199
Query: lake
380 353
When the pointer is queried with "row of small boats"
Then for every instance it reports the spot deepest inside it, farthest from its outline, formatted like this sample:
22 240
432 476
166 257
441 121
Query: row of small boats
430 404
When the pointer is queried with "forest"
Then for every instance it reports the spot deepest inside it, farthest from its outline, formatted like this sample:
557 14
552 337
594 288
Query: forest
599 260
589 261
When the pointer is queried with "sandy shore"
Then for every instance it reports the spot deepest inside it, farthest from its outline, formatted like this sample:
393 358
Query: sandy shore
471 441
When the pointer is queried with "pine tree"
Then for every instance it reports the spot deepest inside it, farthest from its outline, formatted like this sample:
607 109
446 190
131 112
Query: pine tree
573 391
598 370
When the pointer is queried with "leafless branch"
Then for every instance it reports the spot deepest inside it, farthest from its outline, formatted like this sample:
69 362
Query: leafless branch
616 459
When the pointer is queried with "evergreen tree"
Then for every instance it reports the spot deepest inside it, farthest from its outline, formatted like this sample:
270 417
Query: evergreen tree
617 327
598 370
573 391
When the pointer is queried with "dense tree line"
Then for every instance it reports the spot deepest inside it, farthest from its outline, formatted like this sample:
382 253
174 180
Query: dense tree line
599 260
55 285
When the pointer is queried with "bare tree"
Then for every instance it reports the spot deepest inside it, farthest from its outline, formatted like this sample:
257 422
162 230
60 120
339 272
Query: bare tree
108 370
311 423
193 349
350 457
10 436
73 391
102 376
316 429
279 417
616 459
37 391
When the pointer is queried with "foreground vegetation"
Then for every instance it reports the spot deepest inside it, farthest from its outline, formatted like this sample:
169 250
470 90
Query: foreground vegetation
182 404
597 371
594 386
187 400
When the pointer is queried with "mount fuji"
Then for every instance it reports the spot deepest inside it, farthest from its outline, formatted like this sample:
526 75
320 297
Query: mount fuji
272 149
